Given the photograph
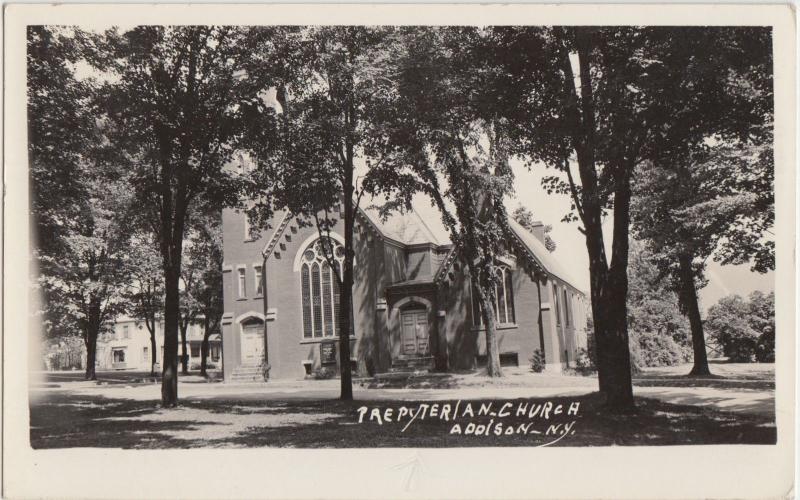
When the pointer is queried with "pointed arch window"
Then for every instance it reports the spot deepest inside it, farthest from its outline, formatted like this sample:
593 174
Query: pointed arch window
320 289
503 299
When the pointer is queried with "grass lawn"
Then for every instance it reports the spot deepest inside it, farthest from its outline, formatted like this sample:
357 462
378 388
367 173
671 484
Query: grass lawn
71 419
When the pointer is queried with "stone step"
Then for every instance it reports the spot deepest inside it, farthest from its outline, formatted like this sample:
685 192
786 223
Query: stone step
425 361
247 373
408 370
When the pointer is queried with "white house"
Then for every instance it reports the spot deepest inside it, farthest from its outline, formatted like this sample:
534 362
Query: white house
127 346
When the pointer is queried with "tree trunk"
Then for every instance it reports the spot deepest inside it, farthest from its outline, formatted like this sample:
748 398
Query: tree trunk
346 299
91 353
689 303
609 290
204 349
618 385
492 349
616 352
169 380
185 352
153 352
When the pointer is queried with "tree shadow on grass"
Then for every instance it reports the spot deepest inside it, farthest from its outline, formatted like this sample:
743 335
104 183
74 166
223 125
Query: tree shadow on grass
72 420
66 420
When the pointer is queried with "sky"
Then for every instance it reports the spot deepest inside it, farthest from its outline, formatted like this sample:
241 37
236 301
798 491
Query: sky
571 246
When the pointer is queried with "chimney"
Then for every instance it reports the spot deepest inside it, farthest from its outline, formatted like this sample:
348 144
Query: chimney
537 228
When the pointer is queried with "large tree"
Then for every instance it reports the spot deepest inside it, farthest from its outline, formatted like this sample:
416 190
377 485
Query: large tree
594 103
714 201
332 93
175 99
87 279
79 203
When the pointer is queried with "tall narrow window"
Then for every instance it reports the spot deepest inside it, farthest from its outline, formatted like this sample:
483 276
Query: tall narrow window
500 295
246 227
503 300
242 283
320 290
126 332
259 282
306 282
511 318
336 299
316 294
567 319
558 307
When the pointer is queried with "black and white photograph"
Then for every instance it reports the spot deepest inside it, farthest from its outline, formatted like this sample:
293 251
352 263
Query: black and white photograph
393 235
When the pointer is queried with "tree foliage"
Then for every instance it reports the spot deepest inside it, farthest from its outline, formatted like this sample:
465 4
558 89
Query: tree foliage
175 100
659 333
333 93
708 189
594 103
451 143
80 204
745 328
145 296
201 280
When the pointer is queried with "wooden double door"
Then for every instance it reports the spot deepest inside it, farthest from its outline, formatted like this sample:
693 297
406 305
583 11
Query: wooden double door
415 332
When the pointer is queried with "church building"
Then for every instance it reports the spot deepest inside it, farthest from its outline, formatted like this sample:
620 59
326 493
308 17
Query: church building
413 306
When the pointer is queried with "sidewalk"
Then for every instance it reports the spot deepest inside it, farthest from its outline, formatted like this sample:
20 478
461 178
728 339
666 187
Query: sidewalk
738 400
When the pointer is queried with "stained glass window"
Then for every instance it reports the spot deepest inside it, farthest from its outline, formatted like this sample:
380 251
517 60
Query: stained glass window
320 289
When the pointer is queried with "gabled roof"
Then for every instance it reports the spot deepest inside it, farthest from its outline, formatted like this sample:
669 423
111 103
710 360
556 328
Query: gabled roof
407 228
541 255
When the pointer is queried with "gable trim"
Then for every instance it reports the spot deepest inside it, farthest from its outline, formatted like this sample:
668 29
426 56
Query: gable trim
276 235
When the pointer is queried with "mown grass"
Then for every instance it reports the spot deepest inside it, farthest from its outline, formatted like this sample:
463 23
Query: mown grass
69 419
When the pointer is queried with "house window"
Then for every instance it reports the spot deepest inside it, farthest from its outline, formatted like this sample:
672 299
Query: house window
503 299
259 285
242 283
320 289
567 319
558 306
195 350
247 227
145 351
119 355
126 332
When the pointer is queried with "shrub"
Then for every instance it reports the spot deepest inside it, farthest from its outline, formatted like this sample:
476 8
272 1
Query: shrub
650 349
370 365
537 361
323 373
584 363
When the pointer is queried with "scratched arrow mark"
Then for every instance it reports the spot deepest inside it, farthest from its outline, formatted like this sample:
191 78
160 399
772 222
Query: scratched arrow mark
414 466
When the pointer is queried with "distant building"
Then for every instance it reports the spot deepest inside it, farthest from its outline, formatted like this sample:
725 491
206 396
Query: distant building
412 301
127 346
